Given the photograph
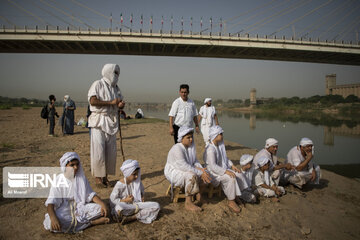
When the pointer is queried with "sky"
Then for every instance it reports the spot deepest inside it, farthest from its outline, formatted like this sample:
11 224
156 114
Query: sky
157 79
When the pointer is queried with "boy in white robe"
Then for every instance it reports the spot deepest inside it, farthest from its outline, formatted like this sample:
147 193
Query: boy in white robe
305 170
265 186
73 208
222 170
182 168
247 169
207 118
127 198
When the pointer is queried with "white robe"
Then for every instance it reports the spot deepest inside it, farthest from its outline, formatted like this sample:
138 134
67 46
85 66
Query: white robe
148 211
299 178
260 178
104 123
207 120
73 216
232 187
275 174
181 171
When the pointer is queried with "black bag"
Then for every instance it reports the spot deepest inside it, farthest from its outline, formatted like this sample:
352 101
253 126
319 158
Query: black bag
44 112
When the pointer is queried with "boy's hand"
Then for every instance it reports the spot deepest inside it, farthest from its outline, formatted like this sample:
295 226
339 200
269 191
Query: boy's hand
55 224
104 210
206 177
129 199
235 169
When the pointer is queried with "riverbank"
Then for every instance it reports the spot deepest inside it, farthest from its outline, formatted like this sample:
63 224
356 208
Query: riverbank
329 211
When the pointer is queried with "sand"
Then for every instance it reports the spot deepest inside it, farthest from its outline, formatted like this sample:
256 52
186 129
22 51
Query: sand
329 211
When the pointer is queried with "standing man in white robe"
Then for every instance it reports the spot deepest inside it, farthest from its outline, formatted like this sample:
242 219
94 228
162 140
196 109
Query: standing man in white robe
305 170
269 151
222 170
127 198
183 169
105 101
74 207
207 118
183 112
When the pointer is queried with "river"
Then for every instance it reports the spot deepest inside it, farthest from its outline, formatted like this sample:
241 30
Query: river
336 142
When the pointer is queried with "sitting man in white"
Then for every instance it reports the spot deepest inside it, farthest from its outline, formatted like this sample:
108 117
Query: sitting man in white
222 170
270 150
127 198
75 206
265 186
305 170
182 168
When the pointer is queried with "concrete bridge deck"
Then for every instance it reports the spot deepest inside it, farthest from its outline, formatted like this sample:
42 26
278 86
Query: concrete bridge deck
183 45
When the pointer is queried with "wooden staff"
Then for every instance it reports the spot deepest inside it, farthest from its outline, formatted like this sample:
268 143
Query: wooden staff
121 146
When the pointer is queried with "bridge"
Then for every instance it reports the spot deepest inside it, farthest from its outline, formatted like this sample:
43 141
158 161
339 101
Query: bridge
176 44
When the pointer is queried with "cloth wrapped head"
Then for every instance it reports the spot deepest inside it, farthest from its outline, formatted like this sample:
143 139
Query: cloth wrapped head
262 161
245 159
306 141
66 158
207 100
214 131
271 142
183 131
82 189
66 98
127 168
110 73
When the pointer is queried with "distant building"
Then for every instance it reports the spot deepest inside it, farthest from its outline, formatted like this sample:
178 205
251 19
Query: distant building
253 96
343 90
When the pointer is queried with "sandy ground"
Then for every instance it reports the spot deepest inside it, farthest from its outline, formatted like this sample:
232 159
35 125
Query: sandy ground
330 211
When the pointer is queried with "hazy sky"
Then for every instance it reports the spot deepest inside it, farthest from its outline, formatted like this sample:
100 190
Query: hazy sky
156 79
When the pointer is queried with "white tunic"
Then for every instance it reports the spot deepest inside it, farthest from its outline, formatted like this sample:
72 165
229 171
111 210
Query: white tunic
299 178
66 206
260 178
104 117
180 169
207 120
275 174
232 187
148 211
183 112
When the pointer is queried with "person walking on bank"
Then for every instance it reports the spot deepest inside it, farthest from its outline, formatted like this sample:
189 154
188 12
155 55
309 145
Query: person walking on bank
182 113
105 101
52 114
207 119
68 116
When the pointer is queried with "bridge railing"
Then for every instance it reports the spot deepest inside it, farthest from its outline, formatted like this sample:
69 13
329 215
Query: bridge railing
174 34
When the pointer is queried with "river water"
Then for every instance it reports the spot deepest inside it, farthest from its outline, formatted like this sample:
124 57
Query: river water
336 142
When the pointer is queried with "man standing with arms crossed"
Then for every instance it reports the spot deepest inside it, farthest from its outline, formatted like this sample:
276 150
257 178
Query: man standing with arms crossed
182 113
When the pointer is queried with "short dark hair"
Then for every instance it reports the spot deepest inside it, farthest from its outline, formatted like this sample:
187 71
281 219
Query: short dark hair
184 86
51 97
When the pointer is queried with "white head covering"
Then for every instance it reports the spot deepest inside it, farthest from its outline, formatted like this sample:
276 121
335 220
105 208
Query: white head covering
108 73
207 100
82 187
66 98
245 159
214 131
305 142
183 130
140 111
127 168
262 161
270 142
